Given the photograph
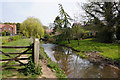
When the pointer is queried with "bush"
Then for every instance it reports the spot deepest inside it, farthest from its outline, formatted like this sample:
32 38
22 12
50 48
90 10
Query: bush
46 37
16 37
3 33
105 36
30 68
86 35
4 41
82 55
55 67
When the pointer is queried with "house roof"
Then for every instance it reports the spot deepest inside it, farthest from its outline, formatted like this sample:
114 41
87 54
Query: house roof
49 30
2 25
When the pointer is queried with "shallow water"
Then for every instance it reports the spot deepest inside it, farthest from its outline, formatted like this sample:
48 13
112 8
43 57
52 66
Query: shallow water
76 67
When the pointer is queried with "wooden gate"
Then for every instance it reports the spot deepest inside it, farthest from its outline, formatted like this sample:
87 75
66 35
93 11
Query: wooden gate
35 54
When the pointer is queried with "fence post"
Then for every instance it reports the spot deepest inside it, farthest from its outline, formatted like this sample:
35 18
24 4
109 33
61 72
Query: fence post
36 51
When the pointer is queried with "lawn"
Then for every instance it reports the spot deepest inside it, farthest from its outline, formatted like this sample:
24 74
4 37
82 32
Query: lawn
3 38
20 42
107 50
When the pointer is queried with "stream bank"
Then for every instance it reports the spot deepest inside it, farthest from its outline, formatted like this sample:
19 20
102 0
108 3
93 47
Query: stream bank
94 56
77 67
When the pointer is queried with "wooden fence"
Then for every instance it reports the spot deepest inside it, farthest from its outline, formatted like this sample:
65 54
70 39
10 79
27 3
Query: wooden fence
35 54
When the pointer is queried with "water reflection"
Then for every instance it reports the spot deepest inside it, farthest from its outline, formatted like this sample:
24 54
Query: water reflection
76 67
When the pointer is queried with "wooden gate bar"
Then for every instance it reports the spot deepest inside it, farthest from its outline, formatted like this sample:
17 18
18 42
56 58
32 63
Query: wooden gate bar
18 53
35 54
13 65
14 59
15 46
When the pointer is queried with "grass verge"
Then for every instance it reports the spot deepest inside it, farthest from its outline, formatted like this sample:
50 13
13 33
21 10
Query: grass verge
54 66
107 50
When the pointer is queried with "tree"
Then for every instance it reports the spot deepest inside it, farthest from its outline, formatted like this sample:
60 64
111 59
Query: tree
58 25
62 24
65 17
67 34
45 27
117 6
18 28
104 18
78 32
32 27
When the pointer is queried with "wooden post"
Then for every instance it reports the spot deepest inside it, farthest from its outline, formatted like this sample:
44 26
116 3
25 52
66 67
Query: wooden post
36 51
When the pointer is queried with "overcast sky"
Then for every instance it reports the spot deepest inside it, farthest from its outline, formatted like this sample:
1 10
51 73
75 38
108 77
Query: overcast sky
44 10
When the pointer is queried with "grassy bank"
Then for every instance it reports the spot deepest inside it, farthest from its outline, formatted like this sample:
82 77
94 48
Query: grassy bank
54 66
3 39
107 50
8 72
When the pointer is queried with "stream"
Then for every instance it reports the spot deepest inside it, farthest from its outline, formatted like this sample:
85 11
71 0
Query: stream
76 67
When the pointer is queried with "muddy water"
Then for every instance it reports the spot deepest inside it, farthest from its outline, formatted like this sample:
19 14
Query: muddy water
76 67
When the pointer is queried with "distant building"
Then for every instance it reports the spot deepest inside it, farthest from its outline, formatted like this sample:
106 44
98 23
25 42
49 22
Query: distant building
10 28
76 24
49 31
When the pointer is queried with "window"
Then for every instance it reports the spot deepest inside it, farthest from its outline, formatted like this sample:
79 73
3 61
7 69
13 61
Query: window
5 28
9 28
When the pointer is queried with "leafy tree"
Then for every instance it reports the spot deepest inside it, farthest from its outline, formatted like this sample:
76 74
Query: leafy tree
58 25
104 18
18 28
118 33
65 17
45 27
62 24
117 6
32 27
67 34
78 32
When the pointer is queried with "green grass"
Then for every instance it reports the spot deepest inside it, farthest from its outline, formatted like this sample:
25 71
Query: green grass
20 42
107 50
54 66
3 39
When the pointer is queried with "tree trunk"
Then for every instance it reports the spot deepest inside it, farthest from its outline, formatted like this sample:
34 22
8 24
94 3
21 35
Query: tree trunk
69 41
78 41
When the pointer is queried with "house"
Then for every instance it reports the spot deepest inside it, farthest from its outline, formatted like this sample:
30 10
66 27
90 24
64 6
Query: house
49 31
92 32
76 24
8 28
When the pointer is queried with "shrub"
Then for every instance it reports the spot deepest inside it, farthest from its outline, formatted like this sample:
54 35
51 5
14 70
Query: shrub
86 35
4 41
30 68
46 37
3 33
105 36
82 55
7 33
16 37
55 67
